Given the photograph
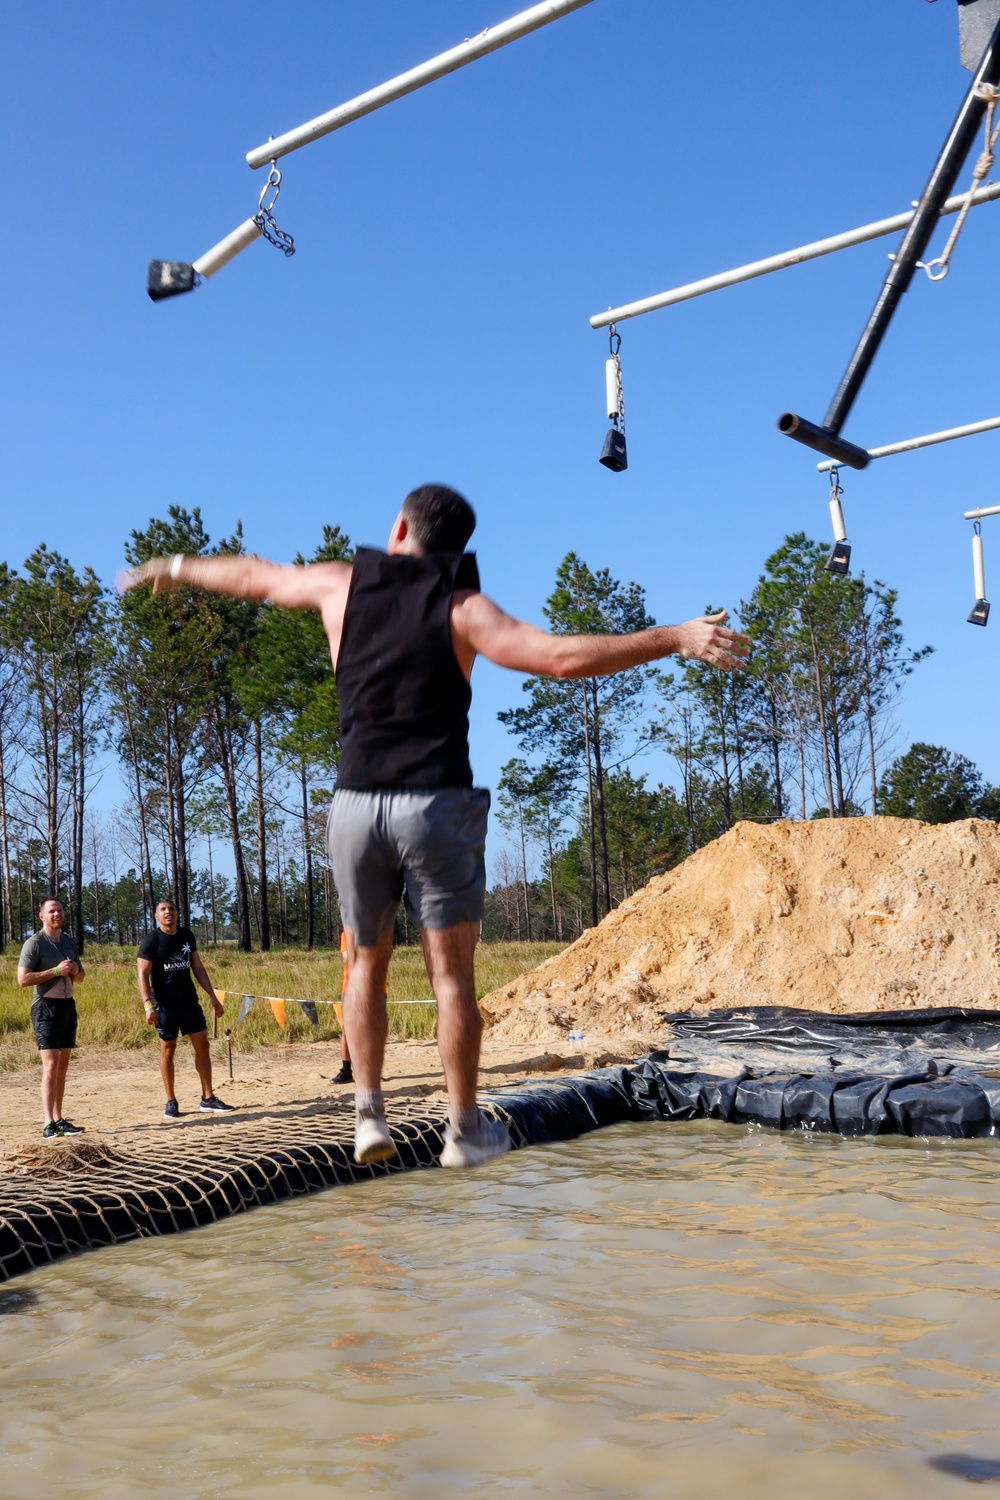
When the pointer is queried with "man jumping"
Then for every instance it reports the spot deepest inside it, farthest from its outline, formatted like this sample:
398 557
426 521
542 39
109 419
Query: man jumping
405 627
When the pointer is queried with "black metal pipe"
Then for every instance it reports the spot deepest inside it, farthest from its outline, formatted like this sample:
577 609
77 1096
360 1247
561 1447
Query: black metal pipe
824 442
918 234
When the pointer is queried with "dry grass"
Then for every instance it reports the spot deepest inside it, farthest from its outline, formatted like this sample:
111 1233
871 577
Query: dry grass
111 1014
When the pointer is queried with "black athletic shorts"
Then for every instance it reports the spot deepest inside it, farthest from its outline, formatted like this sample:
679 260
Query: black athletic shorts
186 1019
54 1023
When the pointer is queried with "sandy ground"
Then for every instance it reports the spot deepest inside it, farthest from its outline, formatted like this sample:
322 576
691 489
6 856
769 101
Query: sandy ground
838 915
119 1094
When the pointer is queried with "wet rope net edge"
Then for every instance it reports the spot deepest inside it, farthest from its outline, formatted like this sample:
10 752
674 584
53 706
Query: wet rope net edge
94 1194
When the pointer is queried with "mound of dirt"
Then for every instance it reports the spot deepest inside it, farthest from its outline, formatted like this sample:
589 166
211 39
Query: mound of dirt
841 915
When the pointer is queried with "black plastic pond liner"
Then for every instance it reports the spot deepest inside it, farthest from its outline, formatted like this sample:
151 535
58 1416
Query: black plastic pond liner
161 1184
897 1041
920 1103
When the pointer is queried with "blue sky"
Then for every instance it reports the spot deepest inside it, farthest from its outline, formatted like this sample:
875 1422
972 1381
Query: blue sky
433 324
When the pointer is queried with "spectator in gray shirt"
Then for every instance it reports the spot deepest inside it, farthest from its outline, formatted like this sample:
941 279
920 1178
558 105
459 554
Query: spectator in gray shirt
50 962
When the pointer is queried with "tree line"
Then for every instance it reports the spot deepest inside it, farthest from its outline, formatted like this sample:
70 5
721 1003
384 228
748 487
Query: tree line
222 717
806 731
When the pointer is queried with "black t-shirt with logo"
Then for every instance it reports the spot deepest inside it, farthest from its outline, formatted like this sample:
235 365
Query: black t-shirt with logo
170 952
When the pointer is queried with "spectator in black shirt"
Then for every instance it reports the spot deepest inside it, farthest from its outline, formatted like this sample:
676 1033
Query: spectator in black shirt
167 956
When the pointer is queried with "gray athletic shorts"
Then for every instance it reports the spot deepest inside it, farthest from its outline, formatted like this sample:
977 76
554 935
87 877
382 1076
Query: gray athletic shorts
427 847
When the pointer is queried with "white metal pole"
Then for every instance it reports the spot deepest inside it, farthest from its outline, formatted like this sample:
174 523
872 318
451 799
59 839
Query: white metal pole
837 517
221 254
612 387
468 51
780 262
982 510
978 570
927 441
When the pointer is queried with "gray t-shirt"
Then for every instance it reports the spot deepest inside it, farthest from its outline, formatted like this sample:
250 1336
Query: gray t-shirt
40 953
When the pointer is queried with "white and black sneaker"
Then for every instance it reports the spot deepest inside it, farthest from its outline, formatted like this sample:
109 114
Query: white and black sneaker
171 1110
68 1128
472 1148
214 1106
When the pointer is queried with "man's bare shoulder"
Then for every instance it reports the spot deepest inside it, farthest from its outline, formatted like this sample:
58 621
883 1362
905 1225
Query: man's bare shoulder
470 604
321 585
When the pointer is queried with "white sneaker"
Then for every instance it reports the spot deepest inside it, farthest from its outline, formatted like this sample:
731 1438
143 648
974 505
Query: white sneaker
491 1139
372 1142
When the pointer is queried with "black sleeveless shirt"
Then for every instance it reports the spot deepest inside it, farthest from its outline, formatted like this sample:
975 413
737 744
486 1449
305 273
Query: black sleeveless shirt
404 701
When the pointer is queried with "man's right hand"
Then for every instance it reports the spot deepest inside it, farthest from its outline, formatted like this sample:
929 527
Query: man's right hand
66 968
709 639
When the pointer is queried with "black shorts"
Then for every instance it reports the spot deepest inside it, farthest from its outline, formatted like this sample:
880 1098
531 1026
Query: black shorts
186 1019
54 1023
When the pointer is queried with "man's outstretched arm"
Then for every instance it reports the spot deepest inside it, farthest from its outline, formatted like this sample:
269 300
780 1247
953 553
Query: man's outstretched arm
481 627
246 577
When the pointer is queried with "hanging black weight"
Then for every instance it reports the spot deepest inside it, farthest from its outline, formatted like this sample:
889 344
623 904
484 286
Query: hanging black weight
839 560
613 454
168 278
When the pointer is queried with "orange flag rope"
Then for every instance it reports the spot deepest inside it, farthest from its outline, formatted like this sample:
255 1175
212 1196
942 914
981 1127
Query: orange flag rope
278 1007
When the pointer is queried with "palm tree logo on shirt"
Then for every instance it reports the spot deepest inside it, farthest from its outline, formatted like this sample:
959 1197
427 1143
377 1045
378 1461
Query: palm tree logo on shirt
186 950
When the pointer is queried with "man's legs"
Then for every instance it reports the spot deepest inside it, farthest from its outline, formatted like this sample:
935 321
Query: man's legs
449 954
366 1024
62 1067
50 1081
202 1061
167 1050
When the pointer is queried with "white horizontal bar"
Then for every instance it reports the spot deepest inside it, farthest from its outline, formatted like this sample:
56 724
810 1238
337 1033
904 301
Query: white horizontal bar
781 262
927 441
468 51
983 510
221 254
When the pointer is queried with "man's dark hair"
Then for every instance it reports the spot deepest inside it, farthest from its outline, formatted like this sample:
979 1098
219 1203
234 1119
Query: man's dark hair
441 519
165 901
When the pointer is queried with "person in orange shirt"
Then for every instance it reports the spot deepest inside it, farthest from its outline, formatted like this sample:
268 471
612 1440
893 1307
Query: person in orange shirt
346 1074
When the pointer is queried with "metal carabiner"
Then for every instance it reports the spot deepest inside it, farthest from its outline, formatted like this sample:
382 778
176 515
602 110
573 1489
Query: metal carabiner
273 181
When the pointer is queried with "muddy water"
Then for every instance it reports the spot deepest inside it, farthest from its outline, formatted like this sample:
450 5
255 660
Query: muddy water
682 1311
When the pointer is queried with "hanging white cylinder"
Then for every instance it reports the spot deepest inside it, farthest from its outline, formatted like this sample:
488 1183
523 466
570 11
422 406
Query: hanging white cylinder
612 379
221 254
837 517
979 571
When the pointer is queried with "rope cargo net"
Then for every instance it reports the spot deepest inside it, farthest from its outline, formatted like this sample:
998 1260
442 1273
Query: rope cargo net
907 1073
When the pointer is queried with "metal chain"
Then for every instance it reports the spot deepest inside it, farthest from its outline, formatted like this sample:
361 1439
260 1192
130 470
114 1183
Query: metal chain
835 490
615 343
264 217
938 269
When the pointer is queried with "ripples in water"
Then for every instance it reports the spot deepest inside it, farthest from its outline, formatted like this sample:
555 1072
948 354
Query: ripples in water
686 1310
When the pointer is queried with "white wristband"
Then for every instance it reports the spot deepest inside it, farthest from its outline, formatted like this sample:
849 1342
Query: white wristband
175 564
